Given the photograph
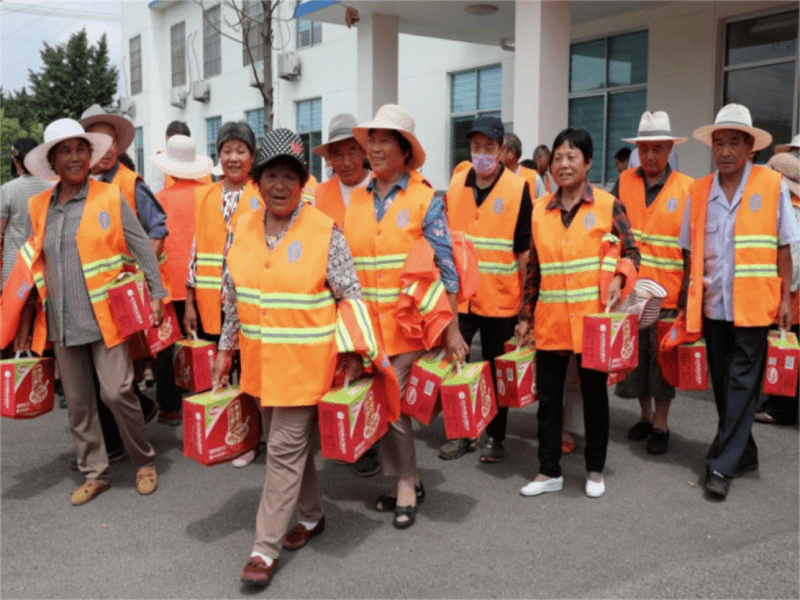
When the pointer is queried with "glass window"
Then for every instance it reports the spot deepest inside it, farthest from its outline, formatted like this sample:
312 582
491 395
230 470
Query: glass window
309 33
627 59
136 65
138 146
251 30
587 66
255 118
588 113
309 126
178 43
474 93
624 111
212 43
761 73
212 129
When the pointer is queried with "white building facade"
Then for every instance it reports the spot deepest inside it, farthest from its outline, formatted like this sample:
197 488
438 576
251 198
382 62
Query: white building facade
540 66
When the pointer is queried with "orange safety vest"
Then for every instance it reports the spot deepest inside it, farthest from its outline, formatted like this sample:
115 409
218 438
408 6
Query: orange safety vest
211 233
756 285
464 165
491 230
379 253
288 323
169 181
657 228
570 265
102 250
328 199
795 295
178 203
530 176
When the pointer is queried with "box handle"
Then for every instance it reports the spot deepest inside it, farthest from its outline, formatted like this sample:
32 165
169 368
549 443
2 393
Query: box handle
28 352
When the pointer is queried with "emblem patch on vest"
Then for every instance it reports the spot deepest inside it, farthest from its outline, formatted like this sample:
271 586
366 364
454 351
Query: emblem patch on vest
403 218
498 206
588 221
672 205
254 203
295 251
22 292
104 219
755 202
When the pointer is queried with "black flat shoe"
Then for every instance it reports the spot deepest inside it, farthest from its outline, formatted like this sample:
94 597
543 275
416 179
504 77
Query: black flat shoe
386 503
410 512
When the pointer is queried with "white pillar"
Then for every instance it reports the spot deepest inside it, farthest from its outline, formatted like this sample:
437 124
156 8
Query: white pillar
377 63
541 71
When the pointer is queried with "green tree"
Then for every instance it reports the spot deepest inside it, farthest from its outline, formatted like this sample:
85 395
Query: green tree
75 75
11 131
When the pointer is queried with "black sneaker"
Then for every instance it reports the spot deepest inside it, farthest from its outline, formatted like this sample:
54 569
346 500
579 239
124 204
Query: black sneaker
717 484
367 466
658 442
492 451
640 431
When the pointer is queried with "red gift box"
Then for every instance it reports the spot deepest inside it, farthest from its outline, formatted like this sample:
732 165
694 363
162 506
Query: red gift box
130 303
421 400
610 342
220 425
153 340
510 345
783 356
193 363
468 401
692 369
516 378
667 361
352 419
28 386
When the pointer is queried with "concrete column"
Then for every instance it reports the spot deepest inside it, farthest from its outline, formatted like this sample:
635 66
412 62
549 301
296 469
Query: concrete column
541 71
377 63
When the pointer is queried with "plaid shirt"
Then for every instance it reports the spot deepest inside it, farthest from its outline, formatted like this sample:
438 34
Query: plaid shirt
620 227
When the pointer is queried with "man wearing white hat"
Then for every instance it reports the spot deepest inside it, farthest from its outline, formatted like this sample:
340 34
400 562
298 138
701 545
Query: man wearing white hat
739 222
346 156
182 164
654 196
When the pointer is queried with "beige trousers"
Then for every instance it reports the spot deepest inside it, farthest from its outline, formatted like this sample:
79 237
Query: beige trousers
115 374
291 479
398 454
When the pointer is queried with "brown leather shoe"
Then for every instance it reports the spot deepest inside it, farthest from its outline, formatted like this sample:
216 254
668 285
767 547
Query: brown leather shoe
256 571
299 536
87 491
146 480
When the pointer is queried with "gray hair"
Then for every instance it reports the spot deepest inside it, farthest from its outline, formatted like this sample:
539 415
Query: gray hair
513 142
236 130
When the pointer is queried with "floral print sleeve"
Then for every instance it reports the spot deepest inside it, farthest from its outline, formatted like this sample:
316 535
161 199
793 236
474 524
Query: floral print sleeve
435 230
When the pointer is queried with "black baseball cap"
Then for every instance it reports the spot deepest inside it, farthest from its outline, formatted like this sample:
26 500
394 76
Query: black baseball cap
489 126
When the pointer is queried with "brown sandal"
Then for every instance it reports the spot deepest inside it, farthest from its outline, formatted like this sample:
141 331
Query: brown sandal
87 491
146 480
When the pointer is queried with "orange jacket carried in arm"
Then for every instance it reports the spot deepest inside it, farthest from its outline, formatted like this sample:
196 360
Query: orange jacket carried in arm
178 202
756 285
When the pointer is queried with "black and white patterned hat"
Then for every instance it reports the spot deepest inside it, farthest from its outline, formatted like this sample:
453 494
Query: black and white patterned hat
281 142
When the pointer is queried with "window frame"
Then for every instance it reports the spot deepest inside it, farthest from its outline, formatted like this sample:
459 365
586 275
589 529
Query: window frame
311 158
259 119
135 61
138 149
211 144
212 38
314 27
175 59
252 30
473 114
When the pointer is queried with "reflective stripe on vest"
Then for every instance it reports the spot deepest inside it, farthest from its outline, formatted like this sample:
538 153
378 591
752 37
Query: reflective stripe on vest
657 228
490 228
756 285
570 266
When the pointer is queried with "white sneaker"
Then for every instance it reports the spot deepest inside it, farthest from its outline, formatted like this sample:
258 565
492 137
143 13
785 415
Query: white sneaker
534 488
595 489
245 459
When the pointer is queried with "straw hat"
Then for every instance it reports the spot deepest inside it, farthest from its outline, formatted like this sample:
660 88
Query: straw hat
397 118
654 127
341 128
181 159
788 166
793 145
124 128
734 116
63 129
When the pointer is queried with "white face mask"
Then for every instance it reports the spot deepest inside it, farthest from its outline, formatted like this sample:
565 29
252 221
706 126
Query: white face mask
484 164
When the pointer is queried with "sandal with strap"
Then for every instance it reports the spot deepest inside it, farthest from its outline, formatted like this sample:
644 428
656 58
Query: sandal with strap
88 491
387 503
457 448
410 512
146 480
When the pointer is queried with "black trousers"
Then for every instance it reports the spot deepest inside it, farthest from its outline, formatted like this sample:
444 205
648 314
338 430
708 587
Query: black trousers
495 331
736 360
551 373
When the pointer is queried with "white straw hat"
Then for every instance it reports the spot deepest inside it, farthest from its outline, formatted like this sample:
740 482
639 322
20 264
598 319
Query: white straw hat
734 116
793 145
124 128
654 127
58 131
341 128
789 167
397 118
181 159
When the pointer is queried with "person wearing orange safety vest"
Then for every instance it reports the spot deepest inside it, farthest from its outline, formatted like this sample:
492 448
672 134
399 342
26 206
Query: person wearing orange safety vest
293 318
181 163
161 180
84 235
563 285
492 207
384 221
655 197
541 156
736 234
510 154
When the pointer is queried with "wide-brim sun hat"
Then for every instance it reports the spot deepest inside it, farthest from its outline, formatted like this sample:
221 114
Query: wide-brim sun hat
733 116
788 166
181 159
655 127
124 128
793 145
397 118
63 129
341 129
280 142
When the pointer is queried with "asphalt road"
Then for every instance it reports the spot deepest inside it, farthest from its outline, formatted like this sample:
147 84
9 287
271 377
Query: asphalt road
653 535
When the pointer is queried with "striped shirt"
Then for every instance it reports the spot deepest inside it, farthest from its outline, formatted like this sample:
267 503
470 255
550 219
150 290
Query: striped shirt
70 316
